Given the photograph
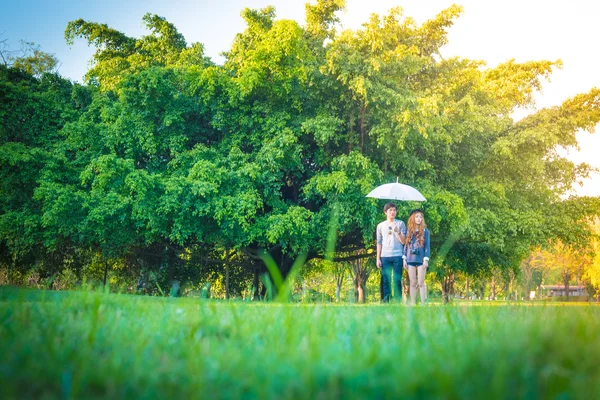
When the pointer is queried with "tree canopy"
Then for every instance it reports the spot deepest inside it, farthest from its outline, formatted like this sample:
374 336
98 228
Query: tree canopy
165 155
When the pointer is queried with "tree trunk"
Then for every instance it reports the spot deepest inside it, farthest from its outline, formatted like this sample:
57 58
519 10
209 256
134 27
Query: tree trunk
361 292
255 282
361 275
105 272
444 291
227 281
511 284
51 286
566 279
359 286
467 288
527 273
505 288
340 272
493 294
447 287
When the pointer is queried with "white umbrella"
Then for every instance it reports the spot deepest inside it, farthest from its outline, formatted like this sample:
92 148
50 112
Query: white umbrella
396 191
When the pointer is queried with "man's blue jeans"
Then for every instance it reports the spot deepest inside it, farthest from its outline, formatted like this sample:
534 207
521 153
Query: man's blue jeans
389 265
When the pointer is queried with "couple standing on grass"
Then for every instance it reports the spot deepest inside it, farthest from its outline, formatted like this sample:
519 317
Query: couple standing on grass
399 247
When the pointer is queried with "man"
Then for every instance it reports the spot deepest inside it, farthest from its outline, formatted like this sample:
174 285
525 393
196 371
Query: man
391 234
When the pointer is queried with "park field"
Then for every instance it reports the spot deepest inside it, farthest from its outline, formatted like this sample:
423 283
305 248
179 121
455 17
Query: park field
89 345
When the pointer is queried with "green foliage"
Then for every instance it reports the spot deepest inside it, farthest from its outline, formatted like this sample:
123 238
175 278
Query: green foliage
118 55
165 160
321 17
34 61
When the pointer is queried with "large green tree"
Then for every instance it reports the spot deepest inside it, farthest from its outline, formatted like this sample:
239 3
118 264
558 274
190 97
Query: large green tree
33 112
174 155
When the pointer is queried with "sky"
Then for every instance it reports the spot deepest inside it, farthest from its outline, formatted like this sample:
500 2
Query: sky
490 30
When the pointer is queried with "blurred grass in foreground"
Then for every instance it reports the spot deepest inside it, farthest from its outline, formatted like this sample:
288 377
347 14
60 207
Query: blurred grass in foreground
94 345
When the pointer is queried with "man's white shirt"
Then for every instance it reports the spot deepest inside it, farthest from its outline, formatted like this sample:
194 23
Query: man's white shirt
390 244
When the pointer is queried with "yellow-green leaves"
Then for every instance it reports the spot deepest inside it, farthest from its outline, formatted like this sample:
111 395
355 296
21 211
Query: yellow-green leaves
118 55
321 17
513 84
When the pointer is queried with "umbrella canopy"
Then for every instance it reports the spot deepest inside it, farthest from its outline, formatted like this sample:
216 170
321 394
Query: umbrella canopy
396 191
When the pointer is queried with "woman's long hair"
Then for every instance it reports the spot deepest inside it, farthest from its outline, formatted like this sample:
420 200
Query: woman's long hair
416 230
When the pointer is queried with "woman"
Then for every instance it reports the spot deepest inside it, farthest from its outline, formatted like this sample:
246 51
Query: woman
416 254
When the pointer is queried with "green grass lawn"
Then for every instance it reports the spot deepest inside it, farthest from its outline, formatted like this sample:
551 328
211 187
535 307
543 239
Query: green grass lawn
94 345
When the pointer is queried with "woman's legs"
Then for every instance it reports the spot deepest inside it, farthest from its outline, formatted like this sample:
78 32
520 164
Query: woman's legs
421 270
412 277
416 275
